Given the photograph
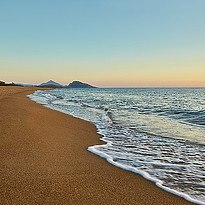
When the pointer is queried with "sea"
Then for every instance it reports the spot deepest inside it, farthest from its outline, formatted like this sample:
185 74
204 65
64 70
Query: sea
156 132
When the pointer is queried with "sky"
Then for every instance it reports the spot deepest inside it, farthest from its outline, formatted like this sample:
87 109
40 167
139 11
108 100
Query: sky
107 43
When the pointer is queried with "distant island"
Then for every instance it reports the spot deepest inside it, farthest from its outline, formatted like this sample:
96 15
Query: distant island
78 84
51 84
74 84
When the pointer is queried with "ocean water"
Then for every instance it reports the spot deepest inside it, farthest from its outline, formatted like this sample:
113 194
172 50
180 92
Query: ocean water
156 132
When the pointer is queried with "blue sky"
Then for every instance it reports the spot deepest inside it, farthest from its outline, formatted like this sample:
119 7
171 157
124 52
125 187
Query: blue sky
113 43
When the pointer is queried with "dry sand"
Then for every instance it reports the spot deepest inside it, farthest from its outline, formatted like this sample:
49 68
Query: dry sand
44 160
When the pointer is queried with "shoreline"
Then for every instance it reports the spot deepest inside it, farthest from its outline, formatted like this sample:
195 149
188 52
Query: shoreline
94 149
45 160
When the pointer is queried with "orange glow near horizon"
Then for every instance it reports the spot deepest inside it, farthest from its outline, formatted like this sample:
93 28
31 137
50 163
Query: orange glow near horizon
141 75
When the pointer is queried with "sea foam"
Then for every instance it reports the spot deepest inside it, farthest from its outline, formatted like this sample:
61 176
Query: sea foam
151 132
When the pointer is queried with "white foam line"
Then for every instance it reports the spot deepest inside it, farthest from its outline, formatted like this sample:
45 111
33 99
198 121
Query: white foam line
94 150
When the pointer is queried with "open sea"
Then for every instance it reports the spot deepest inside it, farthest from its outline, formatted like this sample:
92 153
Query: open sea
156 132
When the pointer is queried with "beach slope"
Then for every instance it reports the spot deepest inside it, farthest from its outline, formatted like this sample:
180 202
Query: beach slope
44 160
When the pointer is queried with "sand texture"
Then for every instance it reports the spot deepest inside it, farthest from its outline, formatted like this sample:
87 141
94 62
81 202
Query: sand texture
44 160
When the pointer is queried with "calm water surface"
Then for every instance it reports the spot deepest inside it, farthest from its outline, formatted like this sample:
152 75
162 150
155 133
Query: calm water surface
157 132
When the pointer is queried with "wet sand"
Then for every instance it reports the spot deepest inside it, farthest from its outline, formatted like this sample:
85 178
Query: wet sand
44 160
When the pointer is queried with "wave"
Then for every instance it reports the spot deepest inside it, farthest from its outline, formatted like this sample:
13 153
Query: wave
94 149
130 145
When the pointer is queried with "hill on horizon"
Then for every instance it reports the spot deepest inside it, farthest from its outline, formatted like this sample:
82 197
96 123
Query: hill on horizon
74 84
51 84
2 83
78 84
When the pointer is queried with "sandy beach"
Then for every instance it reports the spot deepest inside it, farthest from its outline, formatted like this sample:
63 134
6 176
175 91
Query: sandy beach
44 160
